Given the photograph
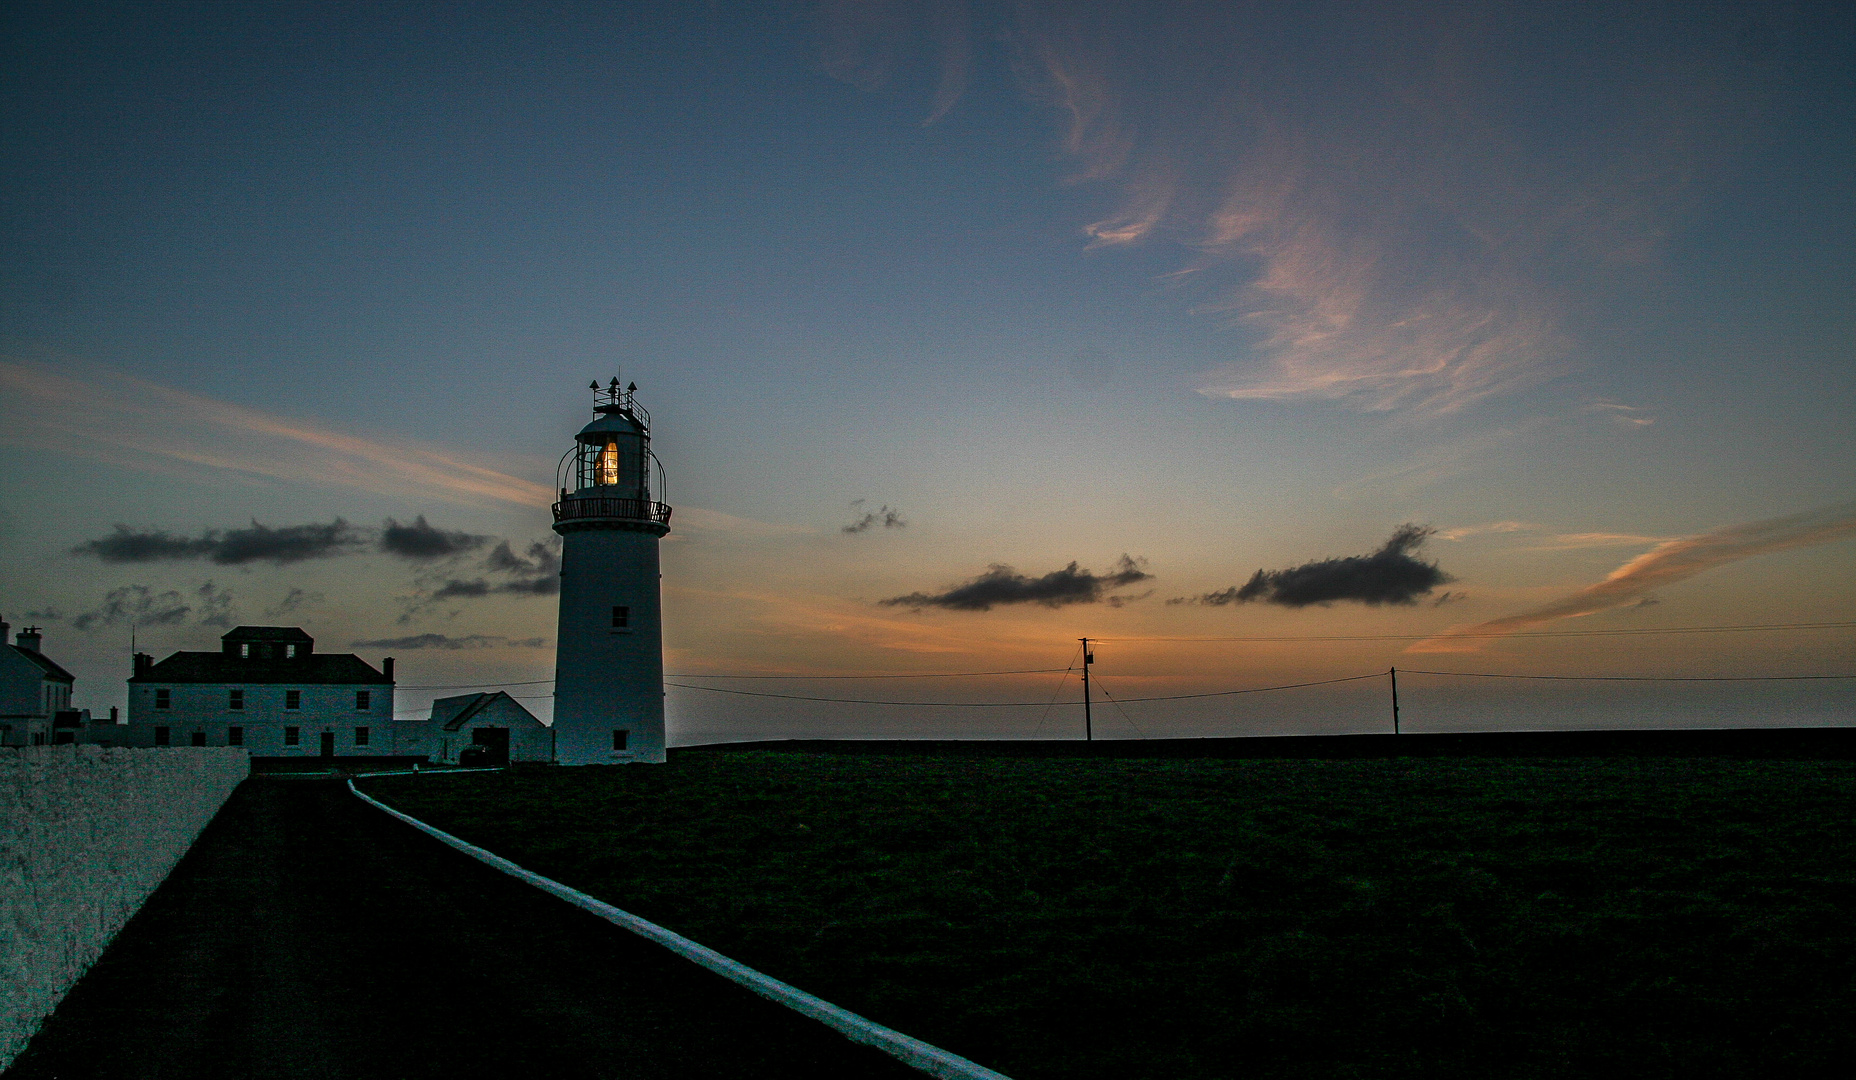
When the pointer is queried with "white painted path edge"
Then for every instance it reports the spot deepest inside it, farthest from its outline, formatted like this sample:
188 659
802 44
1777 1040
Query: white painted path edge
912 1051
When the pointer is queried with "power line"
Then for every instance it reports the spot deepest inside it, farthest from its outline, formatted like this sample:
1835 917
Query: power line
476 685
1521 634
920 675
1629 678
1015 704
923 675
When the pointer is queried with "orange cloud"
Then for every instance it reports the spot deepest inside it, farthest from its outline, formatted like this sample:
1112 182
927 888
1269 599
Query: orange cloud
1665 564
143 425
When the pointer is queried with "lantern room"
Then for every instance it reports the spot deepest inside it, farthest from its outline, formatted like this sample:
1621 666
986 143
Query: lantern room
607 473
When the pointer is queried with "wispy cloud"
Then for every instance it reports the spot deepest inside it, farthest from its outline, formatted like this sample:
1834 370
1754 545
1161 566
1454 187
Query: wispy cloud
1463 532
1626 416
1001 585
1376 210
206 605
885 516
1576 541
440 641
292 600
1667 563
502 573
139 424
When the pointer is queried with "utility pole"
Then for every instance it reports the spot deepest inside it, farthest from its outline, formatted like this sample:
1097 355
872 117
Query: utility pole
1394 674
1089 731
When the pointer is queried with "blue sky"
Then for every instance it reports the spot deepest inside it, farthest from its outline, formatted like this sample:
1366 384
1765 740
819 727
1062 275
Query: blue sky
1218 287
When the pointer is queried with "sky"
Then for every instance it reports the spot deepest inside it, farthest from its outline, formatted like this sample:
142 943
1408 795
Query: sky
1265 344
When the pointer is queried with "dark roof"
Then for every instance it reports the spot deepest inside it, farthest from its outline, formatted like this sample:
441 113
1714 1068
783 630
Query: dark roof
46 664
471 710
265 633
217 667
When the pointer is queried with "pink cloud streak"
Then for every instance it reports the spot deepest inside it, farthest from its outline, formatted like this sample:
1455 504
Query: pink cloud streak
1665 564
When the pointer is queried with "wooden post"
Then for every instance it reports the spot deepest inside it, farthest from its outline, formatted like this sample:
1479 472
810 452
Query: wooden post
1394 674
1089 733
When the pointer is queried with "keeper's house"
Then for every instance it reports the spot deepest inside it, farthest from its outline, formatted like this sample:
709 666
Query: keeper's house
268 690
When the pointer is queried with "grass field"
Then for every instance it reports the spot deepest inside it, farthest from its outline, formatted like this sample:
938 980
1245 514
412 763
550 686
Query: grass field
1184 919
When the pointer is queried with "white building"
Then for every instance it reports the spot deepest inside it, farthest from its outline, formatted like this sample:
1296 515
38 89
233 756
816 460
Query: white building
269 691
609 658
33 689
508 732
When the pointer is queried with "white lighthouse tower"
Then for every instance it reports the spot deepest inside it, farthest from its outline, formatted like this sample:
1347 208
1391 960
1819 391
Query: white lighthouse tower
609 656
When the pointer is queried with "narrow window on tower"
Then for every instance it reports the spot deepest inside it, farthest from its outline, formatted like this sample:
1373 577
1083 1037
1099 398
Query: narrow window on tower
619 739
621 617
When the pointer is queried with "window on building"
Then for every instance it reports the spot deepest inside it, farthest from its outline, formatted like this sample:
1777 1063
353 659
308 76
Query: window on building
244 650
235 736
235 699
360 736
293 736
363 699
293 699
164 698
620 739
289 652
621 617
38 738
199 738
161 736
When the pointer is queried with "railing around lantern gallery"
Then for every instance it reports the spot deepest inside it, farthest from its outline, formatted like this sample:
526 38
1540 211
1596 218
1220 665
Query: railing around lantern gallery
581 507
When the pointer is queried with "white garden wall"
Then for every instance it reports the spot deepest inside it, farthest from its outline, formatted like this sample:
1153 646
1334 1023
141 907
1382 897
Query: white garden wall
86 833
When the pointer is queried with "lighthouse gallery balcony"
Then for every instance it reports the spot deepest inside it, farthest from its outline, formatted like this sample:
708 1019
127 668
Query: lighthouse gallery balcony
591 508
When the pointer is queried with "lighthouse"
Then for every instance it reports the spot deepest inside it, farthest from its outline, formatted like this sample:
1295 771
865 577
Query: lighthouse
609 652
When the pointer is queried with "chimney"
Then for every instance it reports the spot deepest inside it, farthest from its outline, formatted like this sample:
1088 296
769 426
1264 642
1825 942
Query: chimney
28 639
144 663
386 668
114 718
4 627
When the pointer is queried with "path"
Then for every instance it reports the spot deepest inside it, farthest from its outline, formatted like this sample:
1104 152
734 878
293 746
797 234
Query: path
309 935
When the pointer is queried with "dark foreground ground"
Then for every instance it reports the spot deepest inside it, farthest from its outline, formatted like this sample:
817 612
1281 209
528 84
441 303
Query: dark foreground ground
1177 918
309 935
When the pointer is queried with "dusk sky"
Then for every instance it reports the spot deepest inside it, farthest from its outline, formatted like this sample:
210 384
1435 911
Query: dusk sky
1140 321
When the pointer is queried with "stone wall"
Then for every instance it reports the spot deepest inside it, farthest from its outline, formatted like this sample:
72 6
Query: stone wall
86 834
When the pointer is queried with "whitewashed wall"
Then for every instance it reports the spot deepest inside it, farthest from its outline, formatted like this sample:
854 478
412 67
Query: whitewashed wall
86 833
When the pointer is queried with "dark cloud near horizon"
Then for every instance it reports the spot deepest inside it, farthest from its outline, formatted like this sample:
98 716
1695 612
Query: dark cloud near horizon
232 547
209 606
440 641
423 542
1001 584
885 516
1390 575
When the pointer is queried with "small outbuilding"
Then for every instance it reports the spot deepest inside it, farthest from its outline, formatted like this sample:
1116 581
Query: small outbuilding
498 722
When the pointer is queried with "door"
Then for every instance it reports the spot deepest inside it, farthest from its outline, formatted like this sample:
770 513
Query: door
497 740
328 744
